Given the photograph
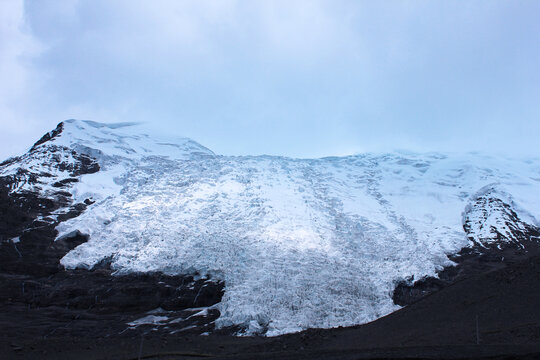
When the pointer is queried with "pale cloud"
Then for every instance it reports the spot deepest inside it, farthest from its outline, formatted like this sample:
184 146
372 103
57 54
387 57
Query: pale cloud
300 78
17 46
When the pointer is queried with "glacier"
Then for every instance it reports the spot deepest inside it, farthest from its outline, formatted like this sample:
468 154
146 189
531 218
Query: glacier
299 243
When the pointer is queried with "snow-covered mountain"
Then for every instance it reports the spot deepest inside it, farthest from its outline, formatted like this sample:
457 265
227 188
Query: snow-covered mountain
299 243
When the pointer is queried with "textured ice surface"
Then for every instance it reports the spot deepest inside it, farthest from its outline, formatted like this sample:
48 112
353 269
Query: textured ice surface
299 243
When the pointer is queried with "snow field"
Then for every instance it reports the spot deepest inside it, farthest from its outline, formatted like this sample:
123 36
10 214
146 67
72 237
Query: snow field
300 243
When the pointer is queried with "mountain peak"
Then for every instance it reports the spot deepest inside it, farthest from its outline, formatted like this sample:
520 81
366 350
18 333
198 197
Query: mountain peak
111 143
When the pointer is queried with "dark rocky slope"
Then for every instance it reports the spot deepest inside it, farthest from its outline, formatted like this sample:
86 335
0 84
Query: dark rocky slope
488 316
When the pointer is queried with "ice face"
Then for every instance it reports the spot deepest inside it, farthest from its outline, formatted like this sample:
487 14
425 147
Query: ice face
299 243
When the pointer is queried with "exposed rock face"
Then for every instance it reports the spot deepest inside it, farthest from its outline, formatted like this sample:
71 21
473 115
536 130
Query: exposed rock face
48 136
35 185
490 222
34 197
498 236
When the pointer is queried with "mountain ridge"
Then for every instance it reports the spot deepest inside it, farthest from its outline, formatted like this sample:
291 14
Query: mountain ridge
360 224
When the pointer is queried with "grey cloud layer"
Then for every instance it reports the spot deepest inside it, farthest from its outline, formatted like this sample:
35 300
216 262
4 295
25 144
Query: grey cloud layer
302 78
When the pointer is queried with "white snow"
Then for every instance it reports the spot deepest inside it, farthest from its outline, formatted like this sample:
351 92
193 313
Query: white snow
300 243
115 143
149 320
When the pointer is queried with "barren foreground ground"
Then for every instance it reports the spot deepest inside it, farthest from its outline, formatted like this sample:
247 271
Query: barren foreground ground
504 303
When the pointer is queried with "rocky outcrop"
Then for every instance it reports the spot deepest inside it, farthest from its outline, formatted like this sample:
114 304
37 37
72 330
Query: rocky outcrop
498 237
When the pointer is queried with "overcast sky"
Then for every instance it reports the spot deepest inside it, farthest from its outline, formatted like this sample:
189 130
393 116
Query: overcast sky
298 78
